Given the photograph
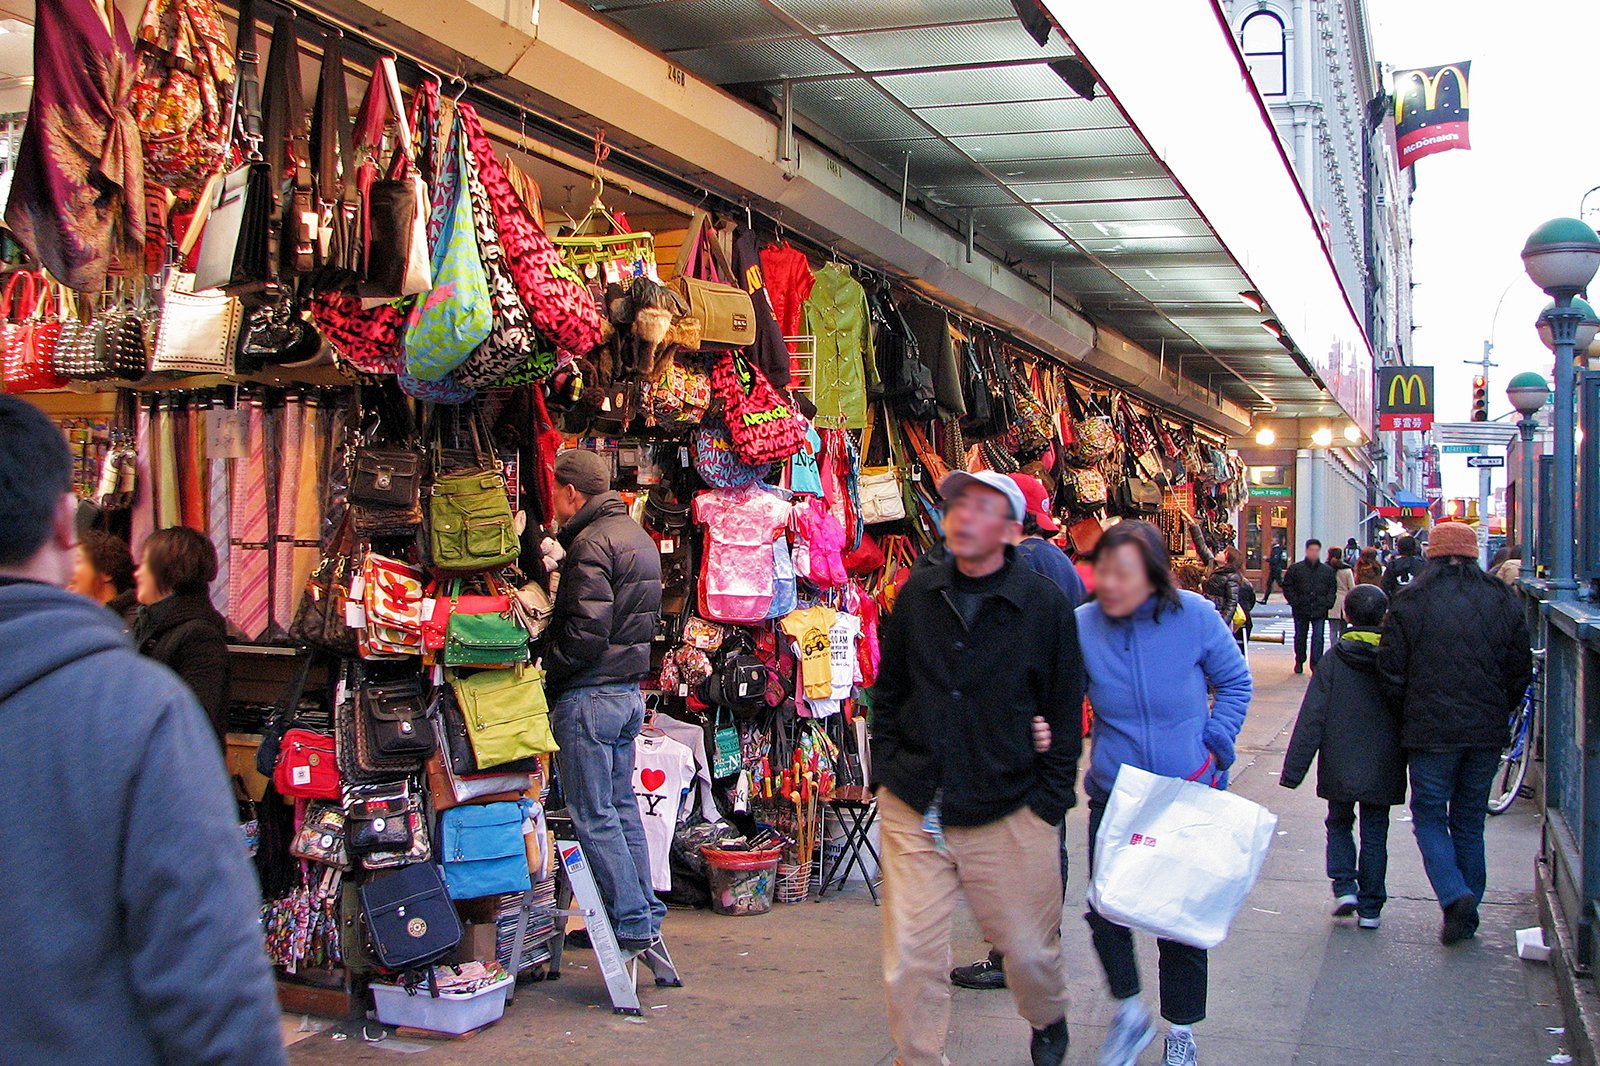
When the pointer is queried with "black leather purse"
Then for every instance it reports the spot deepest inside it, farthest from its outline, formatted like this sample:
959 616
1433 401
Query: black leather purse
377 818
397 720
409 918
384 476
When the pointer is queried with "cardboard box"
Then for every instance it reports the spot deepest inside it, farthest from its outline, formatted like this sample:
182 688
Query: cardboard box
477 943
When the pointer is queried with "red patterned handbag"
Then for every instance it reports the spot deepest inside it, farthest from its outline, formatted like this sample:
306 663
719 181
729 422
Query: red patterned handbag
181 97
553 292
29 340
764 428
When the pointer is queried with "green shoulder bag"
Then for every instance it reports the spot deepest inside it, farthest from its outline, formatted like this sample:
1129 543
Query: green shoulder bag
506 714
497 639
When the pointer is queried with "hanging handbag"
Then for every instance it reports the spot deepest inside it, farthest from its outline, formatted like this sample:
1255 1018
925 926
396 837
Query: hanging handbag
481 850
378 817
307 767
865 558
703 278
321 619
198 330
409 917
555 295
727 759
275 333
239 207
397 720
436 626
471 525
505 713
456 316
494 639
511 334
322 836
1084 535
336 251
118 336
1093 438
458 741
679 398
287 147
181 94
883 497
28 344
763 427
1085 487
370 340
395 258
717 462
388 477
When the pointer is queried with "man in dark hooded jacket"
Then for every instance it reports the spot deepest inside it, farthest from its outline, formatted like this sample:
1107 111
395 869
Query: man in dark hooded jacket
1348 728
597 652
131 915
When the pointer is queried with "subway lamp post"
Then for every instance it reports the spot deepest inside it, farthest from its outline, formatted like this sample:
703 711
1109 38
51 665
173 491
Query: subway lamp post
1528 393
1561 257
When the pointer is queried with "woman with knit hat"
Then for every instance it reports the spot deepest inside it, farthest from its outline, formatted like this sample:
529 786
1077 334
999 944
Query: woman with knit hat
1454 662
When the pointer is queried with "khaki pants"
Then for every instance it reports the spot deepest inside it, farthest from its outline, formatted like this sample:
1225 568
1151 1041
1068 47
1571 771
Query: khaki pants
1010 873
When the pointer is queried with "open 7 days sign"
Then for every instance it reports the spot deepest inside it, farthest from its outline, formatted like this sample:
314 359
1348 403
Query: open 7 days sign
1405 397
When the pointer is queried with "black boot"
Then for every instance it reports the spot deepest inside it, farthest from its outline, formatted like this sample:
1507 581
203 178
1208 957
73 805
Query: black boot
1049 1045
1460 921
983 975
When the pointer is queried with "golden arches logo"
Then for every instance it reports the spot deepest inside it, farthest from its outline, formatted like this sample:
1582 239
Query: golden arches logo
1430 88
1406 383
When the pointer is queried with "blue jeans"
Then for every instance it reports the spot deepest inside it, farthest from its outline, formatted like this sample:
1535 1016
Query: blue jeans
1360 875
1316 627
1449 802
595 727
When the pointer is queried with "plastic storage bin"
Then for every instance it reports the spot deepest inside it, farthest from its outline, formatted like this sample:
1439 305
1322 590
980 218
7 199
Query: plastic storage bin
741 881
452 1012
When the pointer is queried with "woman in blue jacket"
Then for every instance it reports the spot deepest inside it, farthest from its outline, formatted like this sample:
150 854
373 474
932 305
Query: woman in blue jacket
1170 691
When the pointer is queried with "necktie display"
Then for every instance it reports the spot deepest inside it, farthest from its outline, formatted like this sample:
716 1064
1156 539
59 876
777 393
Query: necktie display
143 522
291 443
217 530
191 465
308 508
249 596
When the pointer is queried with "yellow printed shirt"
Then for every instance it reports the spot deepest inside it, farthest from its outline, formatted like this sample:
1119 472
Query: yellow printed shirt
809 628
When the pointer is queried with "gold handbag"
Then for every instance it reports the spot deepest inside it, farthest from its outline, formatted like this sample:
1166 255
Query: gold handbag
726 314
881 489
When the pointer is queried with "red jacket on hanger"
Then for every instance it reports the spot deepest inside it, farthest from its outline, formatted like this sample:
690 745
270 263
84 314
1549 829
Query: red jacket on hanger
788 275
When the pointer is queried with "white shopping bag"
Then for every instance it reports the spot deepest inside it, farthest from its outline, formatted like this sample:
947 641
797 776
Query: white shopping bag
1177 858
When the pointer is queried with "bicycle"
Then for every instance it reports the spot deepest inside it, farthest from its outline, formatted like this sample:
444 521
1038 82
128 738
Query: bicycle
1518 753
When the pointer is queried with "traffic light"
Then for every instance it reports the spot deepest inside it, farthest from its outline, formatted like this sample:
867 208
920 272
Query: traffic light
1480 398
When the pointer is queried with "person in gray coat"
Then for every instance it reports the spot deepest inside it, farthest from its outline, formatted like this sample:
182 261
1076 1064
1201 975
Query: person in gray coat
131 916
1348 728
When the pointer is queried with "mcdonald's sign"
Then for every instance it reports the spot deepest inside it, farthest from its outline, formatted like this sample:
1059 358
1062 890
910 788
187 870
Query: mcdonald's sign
1430 110
1405 397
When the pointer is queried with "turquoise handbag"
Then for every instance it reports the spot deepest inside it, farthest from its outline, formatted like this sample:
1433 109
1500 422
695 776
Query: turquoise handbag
481 849
455 316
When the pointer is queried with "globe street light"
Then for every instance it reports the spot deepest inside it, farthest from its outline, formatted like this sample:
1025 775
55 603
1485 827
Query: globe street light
1527 392
1588 328
1561 257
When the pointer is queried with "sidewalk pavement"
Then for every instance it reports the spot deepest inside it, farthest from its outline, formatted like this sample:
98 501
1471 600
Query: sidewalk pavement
1290 985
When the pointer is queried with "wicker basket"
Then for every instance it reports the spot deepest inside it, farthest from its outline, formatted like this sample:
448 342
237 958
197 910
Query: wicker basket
794 882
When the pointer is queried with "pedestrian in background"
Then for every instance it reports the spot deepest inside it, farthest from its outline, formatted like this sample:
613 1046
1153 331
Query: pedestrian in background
1369 570
1170 691
1344 580
1404 568
1348 729
130 903
1277 563
177 625
102 570
1310 586
1454 663
977 647
1351 550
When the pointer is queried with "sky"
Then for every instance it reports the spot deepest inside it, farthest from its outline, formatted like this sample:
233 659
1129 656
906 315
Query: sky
1535 129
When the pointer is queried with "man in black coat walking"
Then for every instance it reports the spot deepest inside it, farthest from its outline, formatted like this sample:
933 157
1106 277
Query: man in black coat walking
1310 586
1345 725
1454 663
1404 568
598 650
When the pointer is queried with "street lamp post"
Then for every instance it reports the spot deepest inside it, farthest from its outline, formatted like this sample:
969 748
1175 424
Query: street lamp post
1561 257
1528 393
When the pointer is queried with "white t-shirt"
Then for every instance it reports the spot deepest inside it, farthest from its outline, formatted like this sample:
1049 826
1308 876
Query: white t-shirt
842 637
663 770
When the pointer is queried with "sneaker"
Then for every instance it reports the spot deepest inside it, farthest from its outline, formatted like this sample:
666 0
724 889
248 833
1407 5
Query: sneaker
1180 1051
1460 921
984 975
1345 906
1049 1045
1131 1032
631 946
1369 923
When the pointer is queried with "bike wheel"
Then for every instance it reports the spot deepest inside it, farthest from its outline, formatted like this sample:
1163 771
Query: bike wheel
1513 772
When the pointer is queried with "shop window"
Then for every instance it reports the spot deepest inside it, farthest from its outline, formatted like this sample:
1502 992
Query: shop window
1261 40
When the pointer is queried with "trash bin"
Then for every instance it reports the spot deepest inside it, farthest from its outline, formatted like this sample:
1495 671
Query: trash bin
741 881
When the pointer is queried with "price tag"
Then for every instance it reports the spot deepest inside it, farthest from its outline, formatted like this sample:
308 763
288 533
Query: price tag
227 433
683 456
300 775
358 587
355 615
683 690
428 604
916 473
668 546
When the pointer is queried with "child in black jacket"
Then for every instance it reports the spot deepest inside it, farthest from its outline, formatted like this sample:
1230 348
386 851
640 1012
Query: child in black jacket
1345 725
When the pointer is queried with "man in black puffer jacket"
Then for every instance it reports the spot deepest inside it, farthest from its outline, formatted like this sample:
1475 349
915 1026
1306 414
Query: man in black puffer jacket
1310 586
1454 662
598 649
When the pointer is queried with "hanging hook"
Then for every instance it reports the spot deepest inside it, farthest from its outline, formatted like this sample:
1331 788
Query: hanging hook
522 131
465 85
